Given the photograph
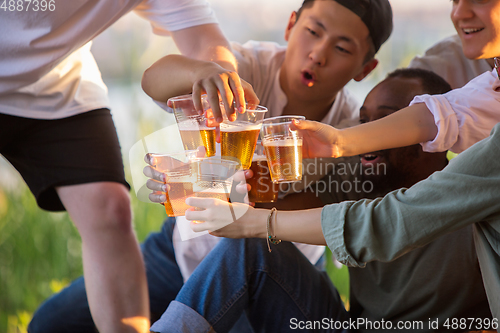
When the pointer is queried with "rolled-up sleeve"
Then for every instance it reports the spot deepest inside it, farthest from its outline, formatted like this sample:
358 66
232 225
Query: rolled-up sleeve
465 192
463 116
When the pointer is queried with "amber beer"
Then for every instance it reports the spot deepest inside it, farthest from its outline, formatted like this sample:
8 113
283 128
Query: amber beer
238 142
178 192
193 138
262 187
284 156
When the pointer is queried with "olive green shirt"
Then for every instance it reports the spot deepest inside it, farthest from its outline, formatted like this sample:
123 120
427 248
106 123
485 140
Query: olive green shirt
466 192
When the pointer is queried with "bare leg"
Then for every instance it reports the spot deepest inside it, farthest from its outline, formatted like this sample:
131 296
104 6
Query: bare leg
114 271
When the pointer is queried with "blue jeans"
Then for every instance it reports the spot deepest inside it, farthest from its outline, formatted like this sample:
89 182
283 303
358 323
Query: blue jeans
68 311
279 291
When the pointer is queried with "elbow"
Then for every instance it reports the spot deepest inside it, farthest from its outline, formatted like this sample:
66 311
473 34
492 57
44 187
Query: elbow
146 84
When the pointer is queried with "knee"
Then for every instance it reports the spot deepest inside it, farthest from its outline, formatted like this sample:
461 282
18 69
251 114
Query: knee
110 210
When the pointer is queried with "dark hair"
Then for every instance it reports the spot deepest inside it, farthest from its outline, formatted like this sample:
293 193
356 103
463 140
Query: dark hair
432 83
375 14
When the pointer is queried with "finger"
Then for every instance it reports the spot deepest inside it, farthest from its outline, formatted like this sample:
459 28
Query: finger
195 215
238 92
197 92
157 186
148 158
216 233
157 197
200 202
239 176
201 151
248 174
150 172
213 101
243 188
217 134
209 115
298 124
199 227
227 99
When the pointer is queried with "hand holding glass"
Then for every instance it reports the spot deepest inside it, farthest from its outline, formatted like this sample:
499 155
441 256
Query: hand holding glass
180 175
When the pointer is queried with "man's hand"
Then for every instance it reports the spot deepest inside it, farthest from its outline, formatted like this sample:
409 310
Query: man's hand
216 81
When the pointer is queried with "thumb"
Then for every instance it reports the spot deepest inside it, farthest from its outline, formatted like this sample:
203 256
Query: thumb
304 125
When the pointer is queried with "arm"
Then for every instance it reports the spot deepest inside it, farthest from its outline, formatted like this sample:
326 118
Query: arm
465 192
302 226
205 42
412 125
409 126
209 67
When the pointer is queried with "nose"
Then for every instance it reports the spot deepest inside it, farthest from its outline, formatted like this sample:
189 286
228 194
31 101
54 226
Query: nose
319 53
461 10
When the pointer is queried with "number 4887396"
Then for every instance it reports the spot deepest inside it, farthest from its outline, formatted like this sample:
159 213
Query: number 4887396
28 5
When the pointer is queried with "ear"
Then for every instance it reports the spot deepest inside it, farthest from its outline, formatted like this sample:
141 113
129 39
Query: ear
367 69
291 23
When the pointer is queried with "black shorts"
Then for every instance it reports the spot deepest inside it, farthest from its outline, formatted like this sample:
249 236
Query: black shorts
69 151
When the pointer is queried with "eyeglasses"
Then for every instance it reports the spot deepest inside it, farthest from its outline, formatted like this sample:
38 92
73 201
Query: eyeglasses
497 65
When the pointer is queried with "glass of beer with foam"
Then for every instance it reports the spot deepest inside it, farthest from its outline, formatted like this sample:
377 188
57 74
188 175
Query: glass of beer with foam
262 188
180 175
195 130
283 149
238 138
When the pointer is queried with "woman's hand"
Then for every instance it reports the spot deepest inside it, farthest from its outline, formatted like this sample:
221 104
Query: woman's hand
319 140
224 219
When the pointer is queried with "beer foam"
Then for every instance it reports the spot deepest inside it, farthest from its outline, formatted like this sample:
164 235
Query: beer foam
239 127
281 142
192 126
258 158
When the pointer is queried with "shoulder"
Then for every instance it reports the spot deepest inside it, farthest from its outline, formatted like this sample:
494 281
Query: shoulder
447 59
449 49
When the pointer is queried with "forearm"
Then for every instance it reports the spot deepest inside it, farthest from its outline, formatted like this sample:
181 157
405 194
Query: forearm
412 125
206 42
172 75
302 226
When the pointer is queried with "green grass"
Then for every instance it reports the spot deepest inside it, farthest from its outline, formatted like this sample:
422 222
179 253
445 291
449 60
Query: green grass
40 253
339 277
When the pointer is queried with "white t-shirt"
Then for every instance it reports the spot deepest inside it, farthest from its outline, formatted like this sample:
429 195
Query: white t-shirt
46 68
447 59
464 116
259 64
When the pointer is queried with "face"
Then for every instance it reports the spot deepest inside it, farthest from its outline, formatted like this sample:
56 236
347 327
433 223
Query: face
478 25
391 168
327 46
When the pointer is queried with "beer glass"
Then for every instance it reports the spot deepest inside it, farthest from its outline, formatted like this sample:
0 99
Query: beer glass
195 130
283 148
238 138
214 178
180 175
262 187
